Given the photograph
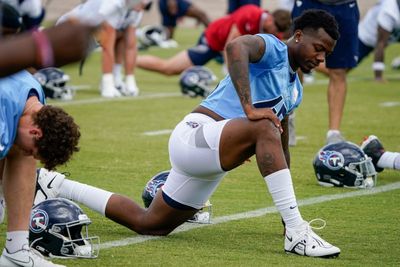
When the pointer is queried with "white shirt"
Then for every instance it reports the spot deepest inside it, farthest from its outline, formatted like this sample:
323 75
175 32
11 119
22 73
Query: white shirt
94 12
386 14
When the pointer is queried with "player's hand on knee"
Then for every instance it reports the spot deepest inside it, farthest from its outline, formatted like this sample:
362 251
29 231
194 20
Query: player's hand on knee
264 113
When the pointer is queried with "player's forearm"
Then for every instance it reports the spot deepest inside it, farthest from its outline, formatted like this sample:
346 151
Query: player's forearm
56 46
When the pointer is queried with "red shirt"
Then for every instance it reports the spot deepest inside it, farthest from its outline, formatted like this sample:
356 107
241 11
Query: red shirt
247 20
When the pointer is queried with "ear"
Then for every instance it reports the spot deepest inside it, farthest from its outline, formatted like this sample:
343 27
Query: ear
298 35
36 132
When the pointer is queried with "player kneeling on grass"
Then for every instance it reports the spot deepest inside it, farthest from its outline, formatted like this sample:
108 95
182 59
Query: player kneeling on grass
245 115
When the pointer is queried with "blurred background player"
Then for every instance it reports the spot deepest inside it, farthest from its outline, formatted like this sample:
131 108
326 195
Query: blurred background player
119 46
173 10
379 27
233 5
343 58
111 15
31 11
249 19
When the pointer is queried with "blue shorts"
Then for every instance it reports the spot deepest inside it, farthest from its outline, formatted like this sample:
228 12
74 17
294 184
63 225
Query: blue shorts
169 19
363 50
345 54
235 4
202 53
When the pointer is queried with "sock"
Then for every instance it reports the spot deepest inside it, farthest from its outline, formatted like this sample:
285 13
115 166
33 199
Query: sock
389 160
16 240
107 80
94 198
281 189
117 71
332 132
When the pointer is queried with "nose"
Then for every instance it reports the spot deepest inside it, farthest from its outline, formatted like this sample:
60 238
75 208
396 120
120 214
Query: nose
321 56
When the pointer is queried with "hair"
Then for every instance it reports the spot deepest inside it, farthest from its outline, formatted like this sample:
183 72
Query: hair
315 19
283 19
60 136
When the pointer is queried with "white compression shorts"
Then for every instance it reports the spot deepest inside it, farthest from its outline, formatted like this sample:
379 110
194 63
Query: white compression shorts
194 155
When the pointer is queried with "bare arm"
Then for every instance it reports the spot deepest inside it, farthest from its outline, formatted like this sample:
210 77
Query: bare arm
69 42
240 52
383 37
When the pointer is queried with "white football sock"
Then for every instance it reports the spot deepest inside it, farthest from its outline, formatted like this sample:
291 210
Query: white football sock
332 132
281 189
16 239
117 71
389 160
94 198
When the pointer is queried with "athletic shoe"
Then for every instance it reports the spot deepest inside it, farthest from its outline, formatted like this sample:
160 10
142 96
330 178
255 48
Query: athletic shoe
48 184
2 205
396 63
25 257
334 138
374 149
107 87
131 88
303 241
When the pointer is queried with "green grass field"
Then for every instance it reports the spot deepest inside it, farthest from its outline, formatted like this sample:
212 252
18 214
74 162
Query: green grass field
117 156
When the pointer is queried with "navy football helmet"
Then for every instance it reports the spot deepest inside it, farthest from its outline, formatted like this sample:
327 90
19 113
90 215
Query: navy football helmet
156 182
152 35
197 81
344 164
59 229
54 83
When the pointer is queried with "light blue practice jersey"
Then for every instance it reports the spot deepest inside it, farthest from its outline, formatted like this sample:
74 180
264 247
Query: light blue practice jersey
14 91
273 84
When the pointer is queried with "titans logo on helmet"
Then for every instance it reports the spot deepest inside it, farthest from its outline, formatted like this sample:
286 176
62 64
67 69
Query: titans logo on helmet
153 186
39 221
331 159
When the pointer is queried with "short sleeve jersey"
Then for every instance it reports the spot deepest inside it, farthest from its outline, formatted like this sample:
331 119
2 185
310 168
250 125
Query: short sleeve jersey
273 84
14 91
247 19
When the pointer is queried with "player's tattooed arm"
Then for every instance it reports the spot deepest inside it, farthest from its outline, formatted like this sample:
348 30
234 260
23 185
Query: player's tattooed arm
240 52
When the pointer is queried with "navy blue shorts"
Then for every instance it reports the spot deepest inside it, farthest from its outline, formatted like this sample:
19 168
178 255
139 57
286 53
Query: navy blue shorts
235 4
345 54
202 53
168 19
363 50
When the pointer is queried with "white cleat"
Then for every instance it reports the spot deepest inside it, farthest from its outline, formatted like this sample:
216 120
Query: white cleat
48 184
25 257
131 88
303 241
107 86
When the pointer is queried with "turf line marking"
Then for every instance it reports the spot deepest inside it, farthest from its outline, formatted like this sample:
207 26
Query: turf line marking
159 132
117 99
252 214
389 104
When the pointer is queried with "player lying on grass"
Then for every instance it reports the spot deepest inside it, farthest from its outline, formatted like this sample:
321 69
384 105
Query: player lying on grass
246 115
249 19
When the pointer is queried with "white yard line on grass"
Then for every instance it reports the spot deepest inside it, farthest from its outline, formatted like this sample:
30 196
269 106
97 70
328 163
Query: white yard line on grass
252 214
101 99
389 104
159 132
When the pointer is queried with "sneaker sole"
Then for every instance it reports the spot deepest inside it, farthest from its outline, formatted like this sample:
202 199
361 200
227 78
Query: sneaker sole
330 256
